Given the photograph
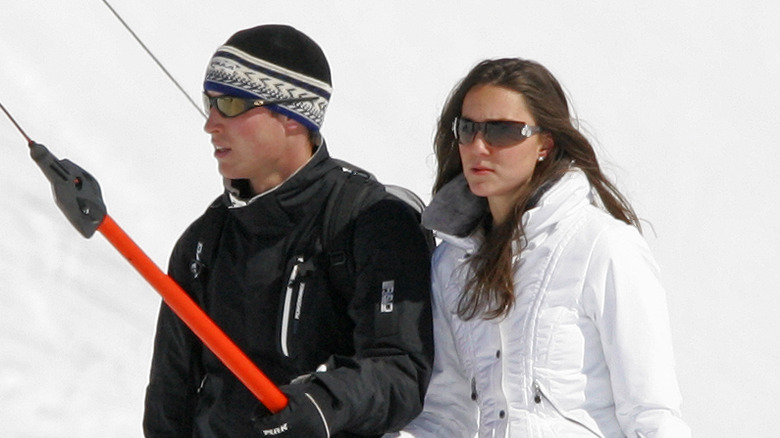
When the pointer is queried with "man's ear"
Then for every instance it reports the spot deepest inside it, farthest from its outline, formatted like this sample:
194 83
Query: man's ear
292 126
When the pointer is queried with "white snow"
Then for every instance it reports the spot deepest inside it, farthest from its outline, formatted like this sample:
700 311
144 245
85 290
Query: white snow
681 97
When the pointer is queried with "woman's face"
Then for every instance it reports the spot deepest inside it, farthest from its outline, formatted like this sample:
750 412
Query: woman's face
498 173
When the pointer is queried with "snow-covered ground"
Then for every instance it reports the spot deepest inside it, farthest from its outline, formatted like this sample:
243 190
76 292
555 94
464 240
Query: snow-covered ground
681 97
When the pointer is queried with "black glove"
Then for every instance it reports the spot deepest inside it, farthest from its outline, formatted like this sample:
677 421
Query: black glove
302 417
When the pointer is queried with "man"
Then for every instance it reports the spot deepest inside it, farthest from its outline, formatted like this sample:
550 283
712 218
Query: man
351 364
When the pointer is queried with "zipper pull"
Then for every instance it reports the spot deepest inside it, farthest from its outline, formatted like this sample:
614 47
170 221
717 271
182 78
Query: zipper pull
202 383
294 272
537 393
474 388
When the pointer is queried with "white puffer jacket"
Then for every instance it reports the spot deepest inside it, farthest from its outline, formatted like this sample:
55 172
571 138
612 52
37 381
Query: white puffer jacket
585 352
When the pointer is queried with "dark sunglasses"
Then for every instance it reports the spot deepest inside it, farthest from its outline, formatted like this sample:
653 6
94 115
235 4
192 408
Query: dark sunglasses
232 106
499 133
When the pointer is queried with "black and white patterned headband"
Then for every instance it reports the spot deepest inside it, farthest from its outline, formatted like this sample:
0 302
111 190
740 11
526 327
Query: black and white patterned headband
234 72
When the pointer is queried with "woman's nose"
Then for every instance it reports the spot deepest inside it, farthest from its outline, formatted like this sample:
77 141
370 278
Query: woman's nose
478 145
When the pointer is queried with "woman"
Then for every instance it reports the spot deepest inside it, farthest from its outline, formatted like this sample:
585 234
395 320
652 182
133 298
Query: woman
550 320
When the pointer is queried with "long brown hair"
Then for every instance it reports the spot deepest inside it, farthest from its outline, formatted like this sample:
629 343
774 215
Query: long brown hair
489 292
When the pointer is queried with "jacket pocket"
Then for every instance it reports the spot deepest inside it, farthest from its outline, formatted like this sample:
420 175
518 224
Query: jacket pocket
540 396
294 293
311 326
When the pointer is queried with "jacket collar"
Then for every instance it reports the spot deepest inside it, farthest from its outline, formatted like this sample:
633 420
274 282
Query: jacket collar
280 209
564 198
455 212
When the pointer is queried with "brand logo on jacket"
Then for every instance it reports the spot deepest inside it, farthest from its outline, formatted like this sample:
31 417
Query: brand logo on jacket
276 430
196 266
388 289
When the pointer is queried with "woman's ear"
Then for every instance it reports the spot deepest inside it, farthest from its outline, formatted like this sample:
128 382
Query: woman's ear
547 146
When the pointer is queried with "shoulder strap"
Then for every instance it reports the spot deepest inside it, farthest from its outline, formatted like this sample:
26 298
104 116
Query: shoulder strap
414 201
344 204
349 196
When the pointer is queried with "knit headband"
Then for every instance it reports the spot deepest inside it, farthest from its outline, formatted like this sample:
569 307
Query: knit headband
239 73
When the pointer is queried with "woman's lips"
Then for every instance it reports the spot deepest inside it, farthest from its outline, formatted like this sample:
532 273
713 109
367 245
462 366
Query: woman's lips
481 170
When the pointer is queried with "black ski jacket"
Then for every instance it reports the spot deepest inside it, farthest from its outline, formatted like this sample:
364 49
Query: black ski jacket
378 362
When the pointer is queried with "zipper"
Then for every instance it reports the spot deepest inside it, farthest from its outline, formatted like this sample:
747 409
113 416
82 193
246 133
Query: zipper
539 395
288 298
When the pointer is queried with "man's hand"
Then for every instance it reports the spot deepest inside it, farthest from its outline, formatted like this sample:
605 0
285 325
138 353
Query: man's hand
302 417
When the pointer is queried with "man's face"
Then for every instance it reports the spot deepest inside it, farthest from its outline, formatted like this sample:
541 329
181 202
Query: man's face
249 146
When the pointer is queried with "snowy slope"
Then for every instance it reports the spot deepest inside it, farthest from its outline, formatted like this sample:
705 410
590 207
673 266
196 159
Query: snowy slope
681 98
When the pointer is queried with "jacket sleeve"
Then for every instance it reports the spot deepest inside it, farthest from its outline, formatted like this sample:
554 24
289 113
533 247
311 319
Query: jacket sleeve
449 406
172 391
381 388
624 296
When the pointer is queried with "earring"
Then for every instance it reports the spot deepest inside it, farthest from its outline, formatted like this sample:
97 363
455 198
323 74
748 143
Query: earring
541 158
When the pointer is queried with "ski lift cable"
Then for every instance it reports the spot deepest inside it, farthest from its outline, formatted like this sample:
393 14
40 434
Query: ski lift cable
19 128
159 64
